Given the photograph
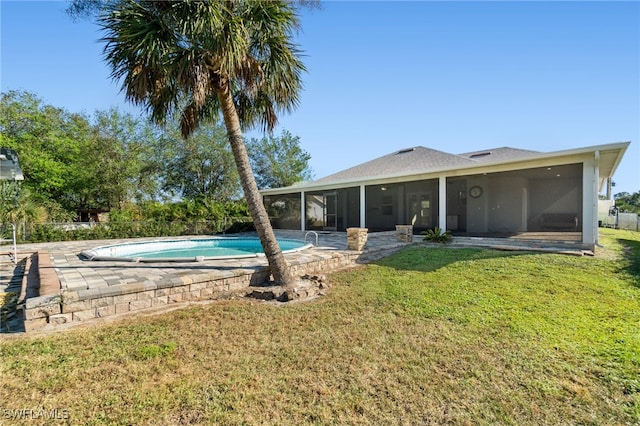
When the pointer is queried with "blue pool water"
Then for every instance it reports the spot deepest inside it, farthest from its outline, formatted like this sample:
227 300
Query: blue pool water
188 249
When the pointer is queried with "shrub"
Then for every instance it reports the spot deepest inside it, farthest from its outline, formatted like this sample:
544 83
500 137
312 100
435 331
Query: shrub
437 235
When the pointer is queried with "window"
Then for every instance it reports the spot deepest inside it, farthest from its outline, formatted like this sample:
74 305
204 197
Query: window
387 205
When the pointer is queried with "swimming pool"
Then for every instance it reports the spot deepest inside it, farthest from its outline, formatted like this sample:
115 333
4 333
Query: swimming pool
188 250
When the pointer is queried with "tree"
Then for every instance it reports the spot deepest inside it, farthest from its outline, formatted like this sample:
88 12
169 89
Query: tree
205 59
9 199
18 207
279 162
121 168
75 162
200 167
628 203
47 139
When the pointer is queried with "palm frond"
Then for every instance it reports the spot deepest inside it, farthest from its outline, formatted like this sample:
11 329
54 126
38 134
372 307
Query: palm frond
174 55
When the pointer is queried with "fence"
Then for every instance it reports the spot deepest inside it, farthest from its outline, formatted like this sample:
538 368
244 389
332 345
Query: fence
628 221
72 231
8 236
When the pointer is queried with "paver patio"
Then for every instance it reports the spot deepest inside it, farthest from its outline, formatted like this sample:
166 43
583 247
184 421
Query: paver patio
75 290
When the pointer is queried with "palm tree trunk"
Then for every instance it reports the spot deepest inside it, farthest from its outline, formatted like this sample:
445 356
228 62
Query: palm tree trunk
277 264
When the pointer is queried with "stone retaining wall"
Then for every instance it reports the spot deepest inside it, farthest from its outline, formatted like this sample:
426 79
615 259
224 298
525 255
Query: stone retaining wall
404 233
356 238
70 306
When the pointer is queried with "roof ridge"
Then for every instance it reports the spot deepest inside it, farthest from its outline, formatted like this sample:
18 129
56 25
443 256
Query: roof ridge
419 158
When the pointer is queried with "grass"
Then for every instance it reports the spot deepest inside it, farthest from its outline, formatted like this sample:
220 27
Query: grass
428 336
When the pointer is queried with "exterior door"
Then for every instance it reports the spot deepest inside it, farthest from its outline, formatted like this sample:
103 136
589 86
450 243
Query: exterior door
419 209
330 211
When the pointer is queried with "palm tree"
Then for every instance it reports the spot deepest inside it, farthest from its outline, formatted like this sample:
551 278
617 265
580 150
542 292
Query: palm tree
203 59
18 207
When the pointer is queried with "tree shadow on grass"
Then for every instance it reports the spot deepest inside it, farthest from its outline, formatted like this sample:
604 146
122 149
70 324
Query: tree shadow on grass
424 259
632 259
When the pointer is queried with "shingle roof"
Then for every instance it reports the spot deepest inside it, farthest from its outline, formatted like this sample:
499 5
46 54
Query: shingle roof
421 160
417 159
499 154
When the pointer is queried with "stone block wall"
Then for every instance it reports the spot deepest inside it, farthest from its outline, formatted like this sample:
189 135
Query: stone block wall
82 305
356 238
404 233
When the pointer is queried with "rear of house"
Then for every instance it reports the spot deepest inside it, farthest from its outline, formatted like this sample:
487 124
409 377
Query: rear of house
491 193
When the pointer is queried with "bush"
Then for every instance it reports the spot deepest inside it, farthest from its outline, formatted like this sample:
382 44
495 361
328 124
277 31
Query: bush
437 235
150 219
49 232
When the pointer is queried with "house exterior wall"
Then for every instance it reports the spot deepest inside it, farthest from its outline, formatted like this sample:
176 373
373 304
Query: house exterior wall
516 196
383 206
541 199
344 203
409 203
507 204
314 210
477 208
604 211
555 197
284 210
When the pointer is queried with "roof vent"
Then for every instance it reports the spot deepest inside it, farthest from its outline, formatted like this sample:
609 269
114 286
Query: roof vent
404 151
480 154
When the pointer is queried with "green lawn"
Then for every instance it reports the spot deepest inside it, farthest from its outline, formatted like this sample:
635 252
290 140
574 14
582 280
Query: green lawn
428 336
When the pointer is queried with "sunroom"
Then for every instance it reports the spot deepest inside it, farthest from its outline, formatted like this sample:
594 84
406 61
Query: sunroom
497 193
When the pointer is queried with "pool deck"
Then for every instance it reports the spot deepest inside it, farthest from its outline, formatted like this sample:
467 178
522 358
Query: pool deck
78 275
73 290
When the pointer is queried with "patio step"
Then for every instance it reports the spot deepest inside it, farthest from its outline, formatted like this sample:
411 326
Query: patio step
565 247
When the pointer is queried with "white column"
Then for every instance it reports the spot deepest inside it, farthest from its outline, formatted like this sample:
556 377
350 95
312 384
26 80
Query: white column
590 179
302 215
524 226
442 202
363 208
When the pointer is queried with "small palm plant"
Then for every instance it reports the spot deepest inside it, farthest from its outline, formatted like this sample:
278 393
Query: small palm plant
437 235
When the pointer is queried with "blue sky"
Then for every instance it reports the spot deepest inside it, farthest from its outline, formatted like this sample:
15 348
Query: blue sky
452 76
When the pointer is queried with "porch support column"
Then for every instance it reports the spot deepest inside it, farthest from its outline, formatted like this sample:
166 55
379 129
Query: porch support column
590 179
302 215
442 202
363 208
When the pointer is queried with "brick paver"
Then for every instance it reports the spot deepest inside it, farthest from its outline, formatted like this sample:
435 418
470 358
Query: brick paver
80 275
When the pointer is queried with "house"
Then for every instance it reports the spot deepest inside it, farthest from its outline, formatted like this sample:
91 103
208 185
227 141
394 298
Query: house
490 193
9 165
